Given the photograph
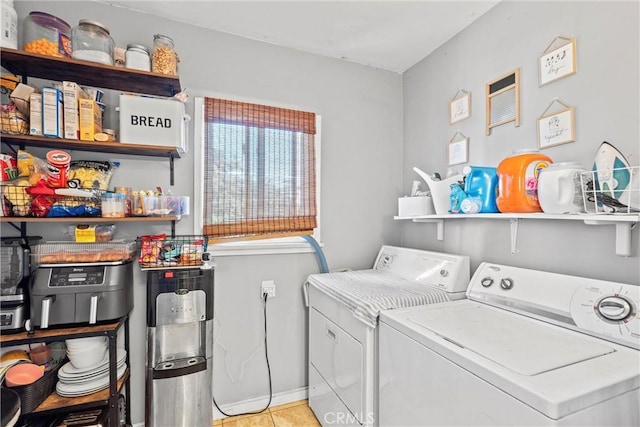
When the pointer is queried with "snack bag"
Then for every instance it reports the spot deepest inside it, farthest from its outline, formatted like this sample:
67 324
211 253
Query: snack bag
92 175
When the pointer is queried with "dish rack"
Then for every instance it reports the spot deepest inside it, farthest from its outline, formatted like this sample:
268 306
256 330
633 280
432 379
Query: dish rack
162 251
19 201
115 252
615 190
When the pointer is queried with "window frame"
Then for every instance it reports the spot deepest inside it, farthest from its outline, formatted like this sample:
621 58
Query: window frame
250 247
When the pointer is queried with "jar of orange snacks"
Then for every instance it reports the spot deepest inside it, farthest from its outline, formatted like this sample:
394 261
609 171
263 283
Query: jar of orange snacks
47 35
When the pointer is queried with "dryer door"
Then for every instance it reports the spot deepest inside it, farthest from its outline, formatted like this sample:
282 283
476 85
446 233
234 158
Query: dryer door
338 357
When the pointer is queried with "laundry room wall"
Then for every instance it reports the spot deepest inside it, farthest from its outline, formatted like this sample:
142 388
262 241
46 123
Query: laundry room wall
361 112
604 92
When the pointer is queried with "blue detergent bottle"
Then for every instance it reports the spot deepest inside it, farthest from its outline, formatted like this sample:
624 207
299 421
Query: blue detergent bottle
481 182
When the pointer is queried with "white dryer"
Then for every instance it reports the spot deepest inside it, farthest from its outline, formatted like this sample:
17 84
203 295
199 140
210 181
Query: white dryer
525 348
343 319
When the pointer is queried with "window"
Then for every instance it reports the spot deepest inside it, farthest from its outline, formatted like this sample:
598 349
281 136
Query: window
258 171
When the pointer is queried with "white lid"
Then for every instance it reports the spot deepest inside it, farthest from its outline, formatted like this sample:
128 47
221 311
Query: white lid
564 165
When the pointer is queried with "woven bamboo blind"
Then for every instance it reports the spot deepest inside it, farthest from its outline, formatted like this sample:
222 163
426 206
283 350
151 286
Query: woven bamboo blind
259 171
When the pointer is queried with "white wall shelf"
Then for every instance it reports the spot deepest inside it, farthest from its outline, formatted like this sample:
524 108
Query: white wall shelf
623 223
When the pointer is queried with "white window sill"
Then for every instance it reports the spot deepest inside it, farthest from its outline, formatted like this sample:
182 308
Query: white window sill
265 247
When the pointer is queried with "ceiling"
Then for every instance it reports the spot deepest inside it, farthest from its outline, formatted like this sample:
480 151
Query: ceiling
390 35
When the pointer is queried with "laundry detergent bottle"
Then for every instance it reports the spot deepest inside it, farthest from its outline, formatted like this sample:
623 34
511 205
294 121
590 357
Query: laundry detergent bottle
481 183
518 181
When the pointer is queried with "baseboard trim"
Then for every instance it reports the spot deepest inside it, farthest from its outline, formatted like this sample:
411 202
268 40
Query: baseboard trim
257 403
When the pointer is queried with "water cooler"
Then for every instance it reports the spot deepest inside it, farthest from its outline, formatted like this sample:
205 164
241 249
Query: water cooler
179 348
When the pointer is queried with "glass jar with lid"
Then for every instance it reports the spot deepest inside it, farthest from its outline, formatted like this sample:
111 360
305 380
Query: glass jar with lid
164 59
46 34
91 41
137 57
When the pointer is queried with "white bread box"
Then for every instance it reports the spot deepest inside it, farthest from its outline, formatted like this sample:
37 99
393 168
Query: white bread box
149 120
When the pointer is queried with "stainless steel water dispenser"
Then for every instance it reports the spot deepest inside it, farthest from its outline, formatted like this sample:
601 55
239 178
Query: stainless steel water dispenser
179 348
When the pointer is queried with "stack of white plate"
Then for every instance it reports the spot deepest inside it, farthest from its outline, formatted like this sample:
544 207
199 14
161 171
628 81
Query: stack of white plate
82 378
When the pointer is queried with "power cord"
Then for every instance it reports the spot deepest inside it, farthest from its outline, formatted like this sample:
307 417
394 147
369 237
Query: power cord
266 355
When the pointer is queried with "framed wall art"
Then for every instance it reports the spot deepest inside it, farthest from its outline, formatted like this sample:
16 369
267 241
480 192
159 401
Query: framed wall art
458 149
460 106
558 127
558 60
503 100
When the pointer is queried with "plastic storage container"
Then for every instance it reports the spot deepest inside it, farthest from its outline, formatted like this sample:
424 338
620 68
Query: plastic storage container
164 59
137 57
47 35
518 181
113 205
9 25
92 42
481 184
559 188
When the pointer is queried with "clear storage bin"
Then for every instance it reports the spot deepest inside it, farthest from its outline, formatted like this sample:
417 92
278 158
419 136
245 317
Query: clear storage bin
92 42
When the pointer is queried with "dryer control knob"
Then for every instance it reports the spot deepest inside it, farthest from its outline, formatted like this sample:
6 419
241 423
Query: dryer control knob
444 273
486 282
506 284
614 308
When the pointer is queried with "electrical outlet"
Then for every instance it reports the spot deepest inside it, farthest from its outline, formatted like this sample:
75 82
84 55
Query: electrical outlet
268 288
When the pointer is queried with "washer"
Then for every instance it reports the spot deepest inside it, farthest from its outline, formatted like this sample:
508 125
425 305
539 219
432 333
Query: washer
343 319
525 348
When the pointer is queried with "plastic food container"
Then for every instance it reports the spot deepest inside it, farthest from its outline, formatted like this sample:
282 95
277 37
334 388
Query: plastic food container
47 35
518 181
92 42
560 188
113 205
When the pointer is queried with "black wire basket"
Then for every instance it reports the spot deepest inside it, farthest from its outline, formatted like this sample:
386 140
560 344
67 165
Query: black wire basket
162 251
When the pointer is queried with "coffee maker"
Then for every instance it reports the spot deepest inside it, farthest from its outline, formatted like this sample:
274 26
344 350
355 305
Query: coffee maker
15 270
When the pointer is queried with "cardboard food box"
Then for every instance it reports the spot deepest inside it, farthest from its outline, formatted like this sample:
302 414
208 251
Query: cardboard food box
35 116
90 119
153 121
52 114
72 93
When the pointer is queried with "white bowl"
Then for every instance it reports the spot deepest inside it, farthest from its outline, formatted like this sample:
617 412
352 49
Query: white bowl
84 342
87 358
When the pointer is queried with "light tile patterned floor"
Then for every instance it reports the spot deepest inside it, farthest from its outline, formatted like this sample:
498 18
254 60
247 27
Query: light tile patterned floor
294 414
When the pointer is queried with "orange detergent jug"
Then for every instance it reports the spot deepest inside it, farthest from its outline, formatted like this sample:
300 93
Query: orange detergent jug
518 181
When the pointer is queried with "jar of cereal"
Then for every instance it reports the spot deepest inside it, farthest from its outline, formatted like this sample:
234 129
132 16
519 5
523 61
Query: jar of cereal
164 59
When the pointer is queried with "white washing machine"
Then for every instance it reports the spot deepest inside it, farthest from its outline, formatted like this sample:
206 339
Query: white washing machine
343 319
525 348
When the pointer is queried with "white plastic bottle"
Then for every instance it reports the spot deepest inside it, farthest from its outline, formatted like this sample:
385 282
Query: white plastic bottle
9 25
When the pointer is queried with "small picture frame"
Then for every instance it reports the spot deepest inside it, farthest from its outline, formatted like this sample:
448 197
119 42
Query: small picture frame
458 149
558 127
460 107
558 60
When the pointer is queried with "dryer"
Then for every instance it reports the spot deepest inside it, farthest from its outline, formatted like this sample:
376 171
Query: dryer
343 319
525 348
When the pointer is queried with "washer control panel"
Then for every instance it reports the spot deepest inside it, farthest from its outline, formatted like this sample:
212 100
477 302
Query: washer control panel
599 308
609 310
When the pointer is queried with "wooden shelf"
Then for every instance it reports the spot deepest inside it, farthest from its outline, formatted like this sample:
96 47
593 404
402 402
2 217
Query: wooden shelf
94 146
56 402
88 73
56 334
90 220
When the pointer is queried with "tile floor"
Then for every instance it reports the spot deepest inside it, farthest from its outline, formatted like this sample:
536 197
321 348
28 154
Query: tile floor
294 414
